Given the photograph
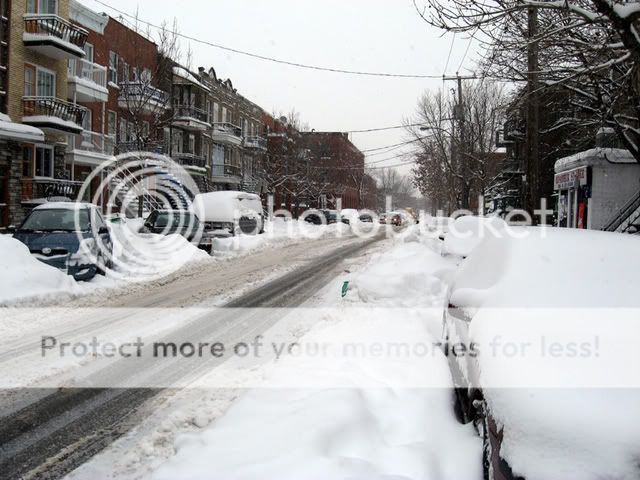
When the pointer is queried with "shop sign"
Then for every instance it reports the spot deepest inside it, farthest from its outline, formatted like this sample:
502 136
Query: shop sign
570 179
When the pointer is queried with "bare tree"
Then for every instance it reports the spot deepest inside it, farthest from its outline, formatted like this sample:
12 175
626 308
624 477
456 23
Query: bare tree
145 84
589 47
450 167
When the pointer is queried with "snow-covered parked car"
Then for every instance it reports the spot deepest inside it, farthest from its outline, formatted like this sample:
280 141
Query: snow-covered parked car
71 236
465 233
227 213
541 332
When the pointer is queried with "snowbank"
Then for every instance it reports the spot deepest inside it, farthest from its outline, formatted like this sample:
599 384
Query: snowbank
22 276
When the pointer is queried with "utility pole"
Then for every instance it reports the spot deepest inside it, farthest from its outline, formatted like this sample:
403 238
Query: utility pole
463 164
533 115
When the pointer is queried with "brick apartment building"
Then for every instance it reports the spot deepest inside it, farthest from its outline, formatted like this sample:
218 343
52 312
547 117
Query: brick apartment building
336 166
36 116
78 87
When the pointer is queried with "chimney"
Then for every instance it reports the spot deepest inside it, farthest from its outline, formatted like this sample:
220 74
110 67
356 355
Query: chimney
607 138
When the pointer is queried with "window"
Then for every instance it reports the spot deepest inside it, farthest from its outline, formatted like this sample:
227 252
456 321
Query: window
177 142
145 129
27 160
88 52
44 161
136 74
224 114
146 75
46 86
86 121
192 143
112 122
113 67
131 132
125 72
123 131
29 80
42 6
215 112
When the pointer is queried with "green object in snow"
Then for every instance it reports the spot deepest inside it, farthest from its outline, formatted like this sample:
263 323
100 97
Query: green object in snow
345 288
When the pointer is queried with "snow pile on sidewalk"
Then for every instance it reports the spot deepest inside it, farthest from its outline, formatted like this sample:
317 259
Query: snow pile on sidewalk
23 276
146 256
366 417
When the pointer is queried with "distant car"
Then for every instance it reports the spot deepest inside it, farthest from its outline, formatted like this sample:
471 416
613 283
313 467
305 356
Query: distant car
366 218
230 212
316 217
392 218
71 236
182 222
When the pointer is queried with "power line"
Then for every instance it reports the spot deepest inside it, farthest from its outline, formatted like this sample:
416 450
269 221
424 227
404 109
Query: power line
446 67
386 147
269 59
367 130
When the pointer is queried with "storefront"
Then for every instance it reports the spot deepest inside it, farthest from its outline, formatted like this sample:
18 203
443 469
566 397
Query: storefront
594 185
574 191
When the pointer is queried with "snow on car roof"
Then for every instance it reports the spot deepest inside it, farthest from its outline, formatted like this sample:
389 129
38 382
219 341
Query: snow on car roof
551 267
64 206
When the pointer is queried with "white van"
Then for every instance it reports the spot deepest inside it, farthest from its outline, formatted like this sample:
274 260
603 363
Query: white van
230 212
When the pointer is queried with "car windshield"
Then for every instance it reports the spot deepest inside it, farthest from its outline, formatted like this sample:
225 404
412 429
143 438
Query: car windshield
58 219
174 218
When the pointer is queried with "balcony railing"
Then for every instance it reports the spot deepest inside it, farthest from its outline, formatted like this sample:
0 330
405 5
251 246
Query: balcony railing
140 146
33 188
227 128
88 71
143 92
54 26
226 170
92 142
190 159
190 111
53 107
256 142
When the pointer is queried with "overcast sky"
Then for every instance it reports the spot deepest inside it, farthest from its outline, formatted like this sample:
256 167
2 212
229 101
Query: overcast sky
365 35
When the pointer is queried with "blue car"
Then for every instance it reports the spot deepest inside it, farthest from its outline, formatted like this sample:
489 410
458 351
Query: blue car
71 236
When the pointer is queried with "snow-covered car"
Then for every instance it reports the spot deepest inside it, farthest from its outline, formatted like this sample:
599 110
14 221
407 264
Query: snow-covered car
543 412
71 236
465 233
227 213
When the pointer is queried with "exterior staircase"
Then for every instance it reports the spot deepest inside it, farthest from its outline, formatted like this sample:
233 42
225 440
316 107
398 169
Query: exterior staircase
627 219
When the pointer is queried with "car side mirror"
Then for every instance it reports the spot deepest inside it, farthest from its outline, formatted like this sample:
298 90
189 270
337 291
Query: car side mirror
11 229
103 230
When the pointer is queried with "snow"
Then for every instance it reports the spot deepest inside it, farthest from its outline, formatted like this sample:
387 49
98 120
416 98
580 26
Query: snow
187 75
465 233
342 417
21 275
39 37
594 156
66 124
577 408
17 131
225 206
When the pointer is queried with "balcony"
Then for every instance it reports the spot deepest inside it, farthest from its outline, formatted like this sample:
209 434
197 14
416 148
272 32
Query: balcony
190 117
87 81
225 132
90 148
34 190
54 114
53 36
256 143
191 160
142 97
226 173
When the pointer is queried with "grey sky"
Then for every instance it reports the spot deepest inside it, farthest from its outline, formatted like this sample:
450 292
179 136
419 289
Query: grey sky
365 35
